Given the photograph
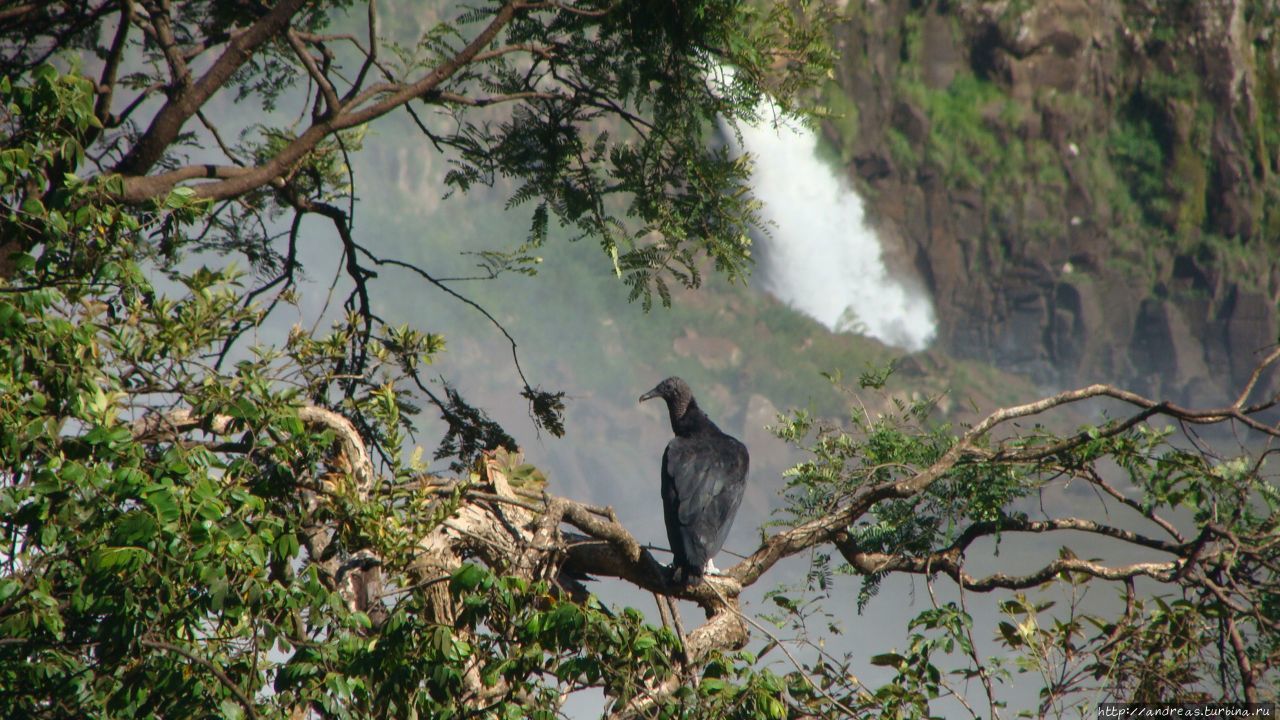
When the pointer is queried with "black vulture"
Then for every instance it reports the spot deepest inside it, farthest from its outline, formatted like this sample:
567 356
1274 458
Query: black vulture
704 473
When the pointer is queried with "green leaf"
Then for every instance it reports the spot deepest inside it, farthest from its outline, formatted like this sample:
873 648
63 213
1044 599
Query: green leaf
179 197
136 528
245 408
218 594
119 558
164 505
287 546
887 660
230 710
469 577
22 262
8 588
127 479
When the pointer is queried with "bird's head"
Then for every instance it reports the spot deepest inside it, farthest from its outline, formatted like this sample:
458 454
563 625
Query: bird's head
675 391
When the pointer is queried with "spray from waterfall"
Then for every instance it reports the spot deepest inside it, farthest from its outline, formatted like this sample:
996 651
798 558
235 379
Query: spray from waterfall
819 256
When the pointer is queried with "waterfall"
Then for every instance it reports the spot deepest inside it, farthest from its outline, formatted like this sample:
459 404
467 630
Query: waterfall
819 256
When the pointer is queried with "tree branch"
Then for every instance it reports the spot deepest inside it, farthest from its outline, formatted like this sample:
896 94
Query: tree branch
353 446
162 426
370 55
331 101
223 678
16 11
167 124
1254 377
168 121
951 562
107 80
824 529
1241 651
179 74
539 50
456 99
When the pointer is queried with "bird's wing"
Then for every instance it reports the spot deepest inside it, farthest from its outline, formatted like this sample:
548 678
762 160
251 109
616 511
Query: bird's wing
707 479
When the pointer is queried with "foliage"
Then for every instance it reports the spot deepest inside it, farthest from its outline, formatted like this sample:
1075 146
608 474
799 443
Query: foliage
193 523
1171 644
182 513
962 142
1139 157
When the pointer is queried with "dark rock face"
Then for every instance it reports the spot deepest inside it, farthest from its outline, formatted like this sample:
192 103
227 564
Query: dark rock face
1165 346
1250 320
1089 188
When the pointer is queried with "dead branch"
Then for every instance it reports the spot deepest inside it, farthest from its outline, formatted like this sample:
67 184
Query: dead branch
353 446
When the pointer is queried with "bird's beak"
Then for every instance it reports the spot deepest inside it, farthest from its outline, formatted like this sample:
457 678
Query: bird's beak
649 395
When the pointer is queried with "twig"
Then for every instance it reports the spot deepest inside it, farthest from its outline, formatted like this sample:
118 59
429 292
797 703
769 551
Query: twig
223 678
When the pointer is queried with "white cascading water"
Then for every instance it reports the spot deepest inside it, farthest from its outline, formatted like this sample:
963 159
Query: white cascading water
820 257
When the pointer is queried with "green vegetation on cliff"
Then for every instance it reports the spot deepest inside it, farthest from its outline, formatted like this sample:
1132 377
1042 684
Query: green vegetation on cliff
1014 144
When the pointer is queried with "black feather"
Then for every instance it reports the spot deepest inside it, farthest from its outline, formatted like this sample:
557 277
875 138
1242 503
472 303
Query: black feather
704 474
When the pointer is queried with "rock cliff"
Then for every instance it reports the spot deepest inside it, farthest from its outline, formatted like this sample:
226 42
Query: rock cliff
1089 188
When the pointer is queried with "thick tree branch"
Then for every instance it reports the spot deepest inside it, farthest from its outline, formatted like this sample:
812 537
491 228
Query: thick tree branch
482 527
15 12
204 171
353 446
160 426
139 188
167 123
539 50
